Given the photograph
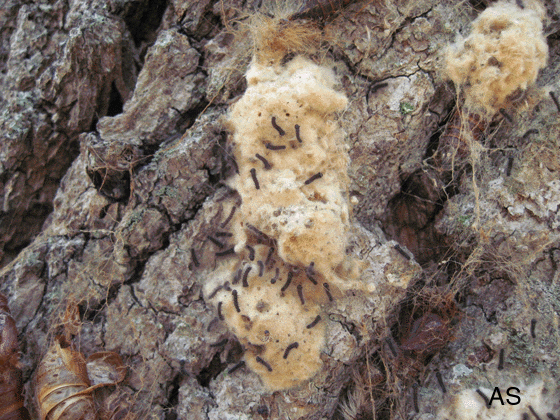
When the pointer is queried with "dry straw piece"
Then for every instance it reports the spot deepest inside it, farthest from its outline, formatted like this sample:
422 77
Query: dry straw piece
63 386
65 381
502 55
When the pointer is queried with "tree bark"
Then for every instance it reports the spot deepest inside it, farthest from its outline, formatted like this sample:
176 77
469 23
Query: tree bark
114 161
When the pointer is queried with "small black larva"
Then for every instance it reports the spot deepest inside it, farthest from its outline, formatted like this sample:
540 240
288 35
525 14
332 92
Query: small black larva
401 251
226 252
277 127
255 180
245 283
314 322
216 242
223 234
216 290
313 178
501 360
310 272
289 348
287 284
298 137
268 256
328 291
534 413
231 213
251 252
440 382
220 315
275 278
220 343
265 162
509 166
415 397
264 363
300 293
237 366
235 300
271 146
484 397
529 132
506 115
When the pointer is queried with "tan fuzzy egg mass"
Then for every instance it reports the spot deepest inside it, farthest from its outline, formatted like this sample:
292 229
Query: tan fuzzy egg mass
296 189
290 232
503 54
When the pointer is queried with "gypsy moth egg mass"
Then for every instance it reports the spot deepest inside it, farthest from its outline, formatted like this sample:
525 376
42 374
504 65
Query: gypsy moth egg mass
294 215
503 54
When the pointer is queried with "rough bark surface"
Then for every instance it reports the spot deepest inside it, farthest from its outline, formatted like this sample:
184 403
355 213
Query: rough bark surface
112 159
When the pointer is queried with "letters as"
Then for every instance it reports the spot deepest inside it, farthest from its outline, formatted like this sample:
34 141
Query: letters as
512 392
